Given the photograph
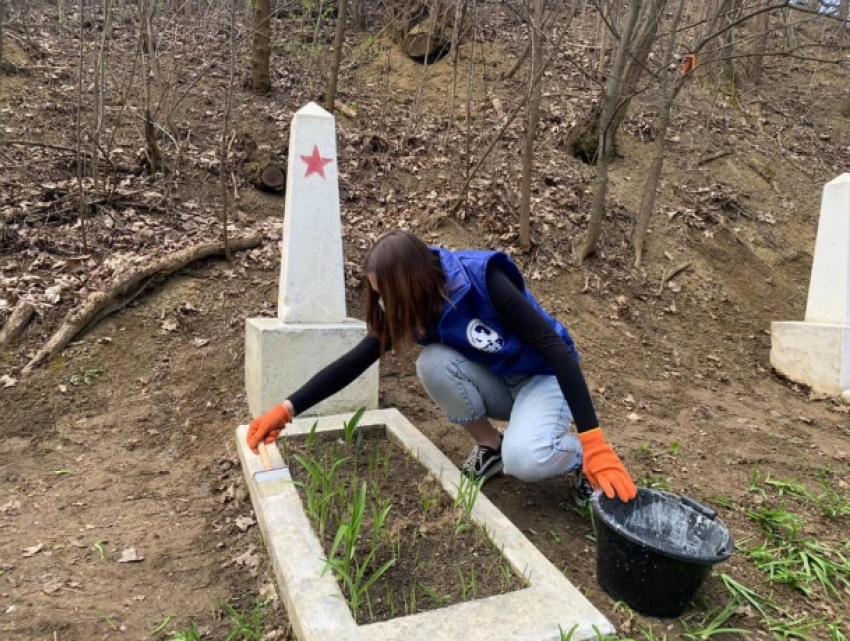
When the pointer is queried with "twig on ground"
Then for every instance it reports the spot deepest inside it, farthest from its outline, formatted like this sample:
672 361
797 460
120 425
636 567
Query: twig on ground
666 277
22 314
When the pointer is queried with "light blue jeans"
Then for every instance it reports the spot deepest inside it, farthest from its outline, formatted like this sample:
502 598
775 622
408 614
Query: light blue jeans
538 442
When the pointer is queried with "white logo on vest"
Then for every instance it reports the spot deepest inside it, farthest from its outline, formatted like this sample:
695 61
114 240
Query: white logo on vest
483 338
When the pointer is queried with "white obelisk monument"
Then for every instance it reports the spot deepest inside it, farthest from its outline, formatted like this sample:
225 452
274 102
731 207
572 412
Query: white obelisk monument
312 328
816 352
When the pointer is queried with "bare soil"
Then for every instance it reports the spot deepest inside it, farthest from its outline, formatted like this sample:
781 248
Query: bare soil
123 513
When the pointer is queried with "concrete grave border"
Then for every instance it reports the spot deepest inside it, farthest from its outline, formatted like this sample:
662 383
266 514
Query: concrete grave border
316 609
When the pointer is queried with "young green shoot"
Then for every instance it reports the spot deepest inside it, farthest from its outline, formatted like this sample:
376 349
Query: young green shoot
468 586
464 501
348 566
189 634
350 429
712 627
246 627
159 627
436 598
311 435
321 489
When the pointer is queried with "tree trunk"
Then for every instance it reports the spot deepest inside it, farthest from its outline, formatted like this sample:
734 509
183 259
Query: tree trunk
587 245
357 15
756 63
604 38
730 72
339 43
844 12
153 155
261 47
2 16
531 132
662 122
583 139
99 81
80 154
224 171
636 62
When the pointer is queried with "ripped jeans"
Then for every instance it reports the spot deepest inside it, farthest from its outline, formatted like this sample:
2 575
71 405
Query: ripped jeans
538 442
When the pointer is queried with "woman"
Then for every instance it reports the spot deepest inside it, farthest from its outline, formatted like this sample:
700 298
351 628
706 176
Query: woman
489 351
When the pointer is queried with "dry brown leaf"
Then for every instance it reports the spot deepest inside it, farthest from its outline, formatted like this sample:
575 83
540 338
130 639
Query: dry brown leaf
244 522
129 556
33 550
248 559
52 586
8 381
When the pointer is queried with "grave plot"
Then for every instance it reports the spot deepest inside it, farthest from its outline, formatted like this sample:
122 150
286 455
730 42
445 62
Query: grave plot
397 541
446 565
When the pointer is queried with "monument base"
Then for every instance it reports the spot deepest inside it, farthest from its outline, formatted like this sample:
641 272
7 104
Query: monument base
814 354
280 357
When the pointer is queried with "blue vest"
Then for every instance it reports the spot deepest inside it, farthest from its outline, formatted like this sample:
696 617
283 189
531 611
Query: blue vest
471 325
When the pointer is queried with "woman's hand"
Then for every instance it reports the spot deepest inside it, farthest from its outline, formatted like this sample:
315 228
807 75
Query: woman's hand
267 427
604 469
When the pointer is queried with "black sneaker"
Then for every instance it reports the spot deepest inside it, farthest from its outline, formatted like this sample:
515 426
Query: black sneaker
582 489
483 463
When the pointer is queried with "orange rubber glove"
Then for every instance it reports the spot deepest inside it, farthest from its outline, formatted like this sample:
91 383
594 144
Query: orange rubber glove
267 427
604 469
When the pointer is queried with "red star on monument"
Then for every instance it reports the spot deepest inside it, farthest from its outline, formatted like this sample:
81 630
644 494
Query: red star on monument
315 162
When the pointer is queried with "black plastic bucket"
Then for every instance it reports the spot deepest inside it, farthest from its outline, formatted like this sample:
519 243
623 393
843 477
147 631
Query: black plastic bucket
655 551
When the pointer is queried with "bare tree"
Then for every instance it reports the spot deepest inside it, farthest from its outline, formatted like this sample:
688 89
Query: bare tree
152 150
715 27
662 121
339 43
587 244
223 170
79 133
2 20
726 52
508 120
99 64
756 62
535 25
261 47
584 137
357 15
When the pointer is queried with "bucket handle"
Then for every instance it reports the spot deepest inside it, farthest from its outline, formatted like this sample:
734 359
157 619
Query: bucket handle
724 551
707 512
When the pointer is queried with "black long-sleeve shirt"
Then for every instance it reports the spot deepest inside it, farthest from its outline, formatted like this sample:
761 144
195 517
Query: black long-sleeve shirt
518 316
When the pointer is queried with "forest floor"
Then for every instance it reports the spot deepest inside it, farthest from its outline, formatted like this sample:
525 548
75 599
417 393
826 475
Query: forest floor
123 511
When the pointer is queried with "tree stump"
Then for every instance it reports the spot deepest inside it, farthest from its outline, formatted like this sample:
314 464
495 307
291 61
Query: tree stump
261 167
425 30
425 43
271 178
583 139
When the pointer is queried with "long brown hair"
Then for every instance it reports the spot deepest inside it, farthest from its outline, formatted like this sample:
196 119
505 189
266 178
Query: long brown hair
411 285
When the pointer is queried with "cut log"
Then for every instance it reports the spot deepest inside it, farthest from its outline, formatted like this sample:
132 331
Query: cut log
271 178
424 43
123 289
21 315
